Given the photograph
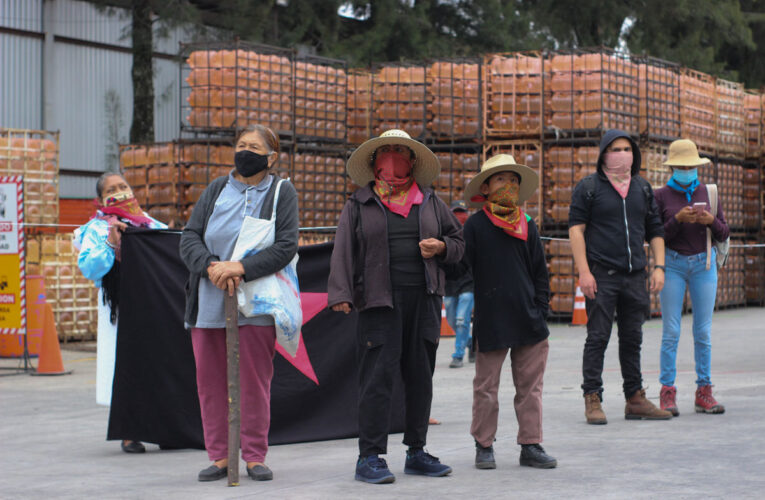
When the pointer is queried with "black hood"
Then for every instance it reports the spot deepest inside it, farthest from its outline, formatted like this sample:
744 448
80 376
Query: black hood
610 137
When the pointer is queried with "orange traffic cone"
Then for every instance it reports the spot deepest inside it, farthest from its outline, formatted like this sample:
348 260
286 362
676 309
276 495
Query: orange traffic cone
580 312
446 330
50 362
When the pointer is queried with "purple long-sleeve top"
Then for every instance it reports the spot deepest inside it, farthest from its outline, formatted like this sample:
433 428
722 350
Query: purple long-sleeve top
686 238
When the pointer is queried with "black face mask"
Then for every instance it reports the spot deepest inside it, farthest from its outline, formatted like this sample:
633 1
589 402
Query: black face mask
248 163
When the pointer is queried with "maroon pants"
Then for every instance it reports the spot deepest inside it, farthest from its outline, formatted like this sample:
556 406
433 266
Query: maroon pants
528 367
256 368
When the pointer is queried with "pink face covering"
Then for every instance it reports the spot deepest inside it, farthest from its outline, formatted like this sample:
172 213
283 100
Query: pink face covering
617 166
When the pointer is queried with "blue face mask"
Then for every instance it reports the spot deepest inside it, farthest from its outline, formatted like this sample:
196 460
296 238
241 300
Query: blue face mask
685 176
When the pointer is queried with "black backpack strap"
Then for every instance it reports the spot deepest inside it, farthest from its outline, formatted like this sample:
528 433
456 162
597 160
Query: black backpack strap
589 185
646 188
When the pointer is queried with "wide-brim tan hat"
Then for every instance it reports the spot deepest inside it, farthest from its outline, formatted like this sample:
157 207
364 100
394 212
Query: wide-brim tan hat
502 163
683 153
425 166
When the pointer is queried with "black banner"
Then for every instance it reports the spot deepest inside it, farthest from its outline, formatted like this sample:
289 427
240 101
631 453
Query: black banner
314 396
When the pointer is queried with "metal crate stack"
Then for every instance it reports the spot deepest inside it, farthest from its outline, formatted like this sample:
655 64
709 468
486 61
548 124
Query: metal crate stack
359 105
33 154
754 118
565 164
730 187
320 146
563 277
321 87
731 291
754 273
659 105
320 180
730 119
697 105
399 99
593 91
515 88
454 101
72 297
229 85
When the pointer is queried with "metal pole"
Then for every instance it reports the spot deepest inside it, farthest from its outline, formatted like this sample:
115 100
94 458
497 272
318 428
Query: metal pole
232 368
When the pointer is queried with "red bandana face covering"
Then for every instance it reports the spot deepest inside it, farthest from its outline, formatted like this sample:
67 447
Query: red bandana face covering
617 165
503 211
124 207
394 183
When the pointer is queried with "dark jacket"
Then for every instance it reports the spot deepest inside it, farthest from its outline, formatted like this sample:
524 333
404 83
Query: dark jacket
197 257
616 228
512 288
360 271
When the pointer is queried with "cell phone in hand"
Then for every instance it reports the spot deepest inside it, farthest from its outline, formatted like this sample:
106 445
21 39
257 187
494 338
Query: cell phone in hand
700 206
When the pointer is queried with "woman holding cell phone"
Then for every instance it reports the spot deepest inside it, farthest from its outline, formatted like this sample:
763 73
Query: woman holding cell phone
684 206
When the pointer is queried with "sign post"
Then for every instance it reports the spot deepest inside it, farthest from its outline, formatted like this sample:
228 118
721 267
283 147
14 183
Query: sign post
13 311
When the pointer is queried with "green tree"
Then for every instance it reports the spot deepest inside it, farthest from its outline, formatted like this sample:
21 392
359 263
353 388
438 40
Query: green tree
700 34
147 19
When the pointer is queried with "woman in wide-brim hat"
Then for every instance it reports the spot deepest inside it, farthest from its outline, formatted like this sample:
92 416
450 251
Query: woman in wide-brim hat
393 239
685 207
511 289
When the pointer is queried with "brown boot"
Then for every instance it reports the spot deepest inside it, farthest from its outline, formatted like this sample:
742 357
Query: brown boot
593 411
638 407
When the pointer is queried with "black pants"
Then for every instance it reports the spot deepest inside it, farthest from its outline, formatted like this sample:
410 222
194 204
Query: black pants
404 338
627 296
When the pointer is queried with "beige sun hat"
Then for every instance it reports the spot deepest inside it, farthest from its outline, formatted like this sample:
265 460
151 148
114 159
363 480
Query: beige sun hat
683 153
425 165
502 163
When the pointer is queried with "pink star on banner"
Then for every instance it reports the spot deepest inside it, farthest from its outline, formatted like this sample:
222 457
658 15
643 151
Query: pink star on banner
311 304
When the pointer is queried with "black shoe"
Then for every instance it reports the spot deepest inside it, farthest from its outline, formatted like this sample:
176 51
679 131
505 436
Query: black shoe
484 457
260 473
132 447
373 469
533 455
213 473
471 356
424 464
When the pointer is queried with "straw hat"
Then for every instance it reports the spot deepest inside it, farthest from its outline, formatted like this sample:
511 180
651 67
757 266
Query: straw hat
502 163
425 165
683 153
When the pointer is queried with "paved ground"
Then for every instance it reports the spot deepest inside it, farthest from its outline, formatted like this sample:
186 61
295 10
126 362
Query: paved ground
52 437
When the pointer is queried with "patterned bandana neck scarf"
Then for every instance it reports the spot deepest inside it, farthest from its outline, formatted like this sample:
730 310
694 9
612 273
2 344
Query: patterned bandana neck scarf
394 183
617 166
688 190
122 206
503 211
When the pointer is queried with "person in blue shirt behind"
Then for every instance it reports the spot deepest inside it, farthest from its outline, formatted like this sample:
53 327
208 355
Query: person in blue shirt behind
98 243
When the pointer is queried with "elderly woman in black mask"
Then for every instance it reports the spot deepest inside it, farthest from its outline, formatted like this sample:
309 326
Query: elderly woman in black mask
207 245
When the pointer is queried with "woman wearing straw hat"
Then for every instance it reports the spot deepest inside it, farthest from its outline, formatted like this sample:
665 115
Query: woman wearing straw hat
684 205
512 291
393 239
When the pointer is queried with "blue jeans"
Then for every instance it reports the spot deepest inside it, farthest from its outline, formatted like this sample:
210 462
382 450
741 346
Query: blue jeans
690 271
459 309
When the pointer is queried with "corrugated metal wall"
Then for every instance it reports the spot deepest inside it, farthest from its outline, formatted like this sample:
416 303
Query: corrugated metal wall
79 79
21 56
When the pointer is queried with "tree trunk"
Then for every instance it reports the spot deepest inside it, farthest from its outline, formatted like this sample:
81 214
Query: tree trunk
142 127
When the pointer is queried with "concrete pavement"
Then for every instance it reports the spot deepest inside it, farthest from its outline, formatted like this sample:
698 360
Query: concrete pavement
52 436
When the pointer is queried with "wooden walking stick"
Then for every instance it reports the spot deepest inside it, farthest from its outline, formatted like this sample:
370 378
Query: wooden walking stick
232 369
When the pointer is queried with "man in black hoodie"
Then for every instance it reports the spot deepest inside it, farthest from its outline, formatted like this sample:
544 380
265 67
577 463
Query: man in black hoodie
612 214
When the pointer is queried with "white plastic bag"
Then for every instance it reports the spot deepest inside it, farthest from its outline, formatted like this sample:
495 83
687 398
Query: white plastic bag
278 294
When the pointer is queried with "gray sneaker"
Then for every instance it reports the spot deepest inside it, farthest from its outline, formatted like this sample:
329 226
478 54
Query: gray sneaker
484 457
456 363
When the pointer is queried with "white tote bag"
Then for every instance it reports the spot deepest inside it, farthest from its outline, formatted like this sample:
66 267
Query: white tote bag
276 295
